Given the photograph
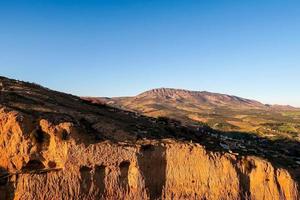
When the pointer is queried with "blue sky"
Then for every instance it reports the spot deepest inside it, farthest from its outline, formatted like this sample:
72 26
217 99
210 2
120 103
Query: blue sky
123 47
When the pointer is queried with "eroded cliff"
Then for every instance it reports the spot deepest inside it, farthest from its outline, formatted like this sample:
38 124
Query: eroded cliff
57 146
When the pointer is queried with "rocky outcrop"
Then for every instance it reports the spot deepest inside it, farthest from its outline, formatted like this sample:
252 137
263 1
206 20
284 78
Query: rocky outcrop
63 153
54 166
194 173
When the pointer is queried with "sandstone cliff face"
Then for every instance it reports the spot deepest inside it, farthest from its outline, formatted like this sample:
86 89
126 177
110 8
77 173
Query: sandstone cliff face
65 169
215 176
42 157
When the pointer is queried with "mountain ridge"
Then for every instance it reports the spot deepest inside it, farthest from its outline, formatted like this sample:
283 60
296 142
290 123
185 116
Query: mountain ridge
206 95
168 92
220 111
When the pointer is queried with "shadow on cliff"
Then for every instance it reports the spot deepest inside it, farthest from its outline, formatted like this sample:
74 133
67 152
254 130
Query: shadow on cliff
153 163
6 186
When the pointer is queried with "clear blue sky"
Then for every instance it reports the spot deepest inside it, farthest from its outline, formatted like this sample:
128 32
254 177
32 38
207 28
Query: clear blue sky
121 47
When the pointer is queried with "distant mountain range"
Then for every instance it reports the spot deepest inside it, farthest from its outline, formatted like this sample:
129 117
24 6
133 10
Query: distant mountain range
220 111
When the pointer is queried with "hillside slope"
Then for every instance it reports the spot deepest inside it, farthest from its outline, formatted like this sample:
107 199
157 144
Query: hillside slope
58 146
219 111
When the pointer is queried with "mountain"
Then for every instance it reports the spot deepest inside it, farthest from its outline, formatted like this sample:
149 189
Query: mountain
219 111
201 98
58 146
